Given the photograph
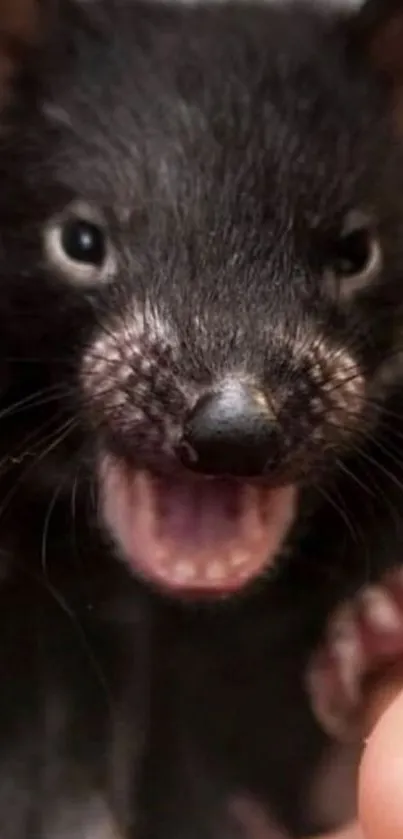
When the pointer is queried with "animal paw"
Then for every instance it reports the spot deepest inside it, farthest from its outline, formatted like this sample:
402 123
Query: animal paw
362 636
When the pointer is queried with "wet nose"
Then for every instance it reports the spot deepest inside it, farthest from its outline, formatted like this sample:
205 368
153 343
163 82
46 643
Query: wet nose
231 431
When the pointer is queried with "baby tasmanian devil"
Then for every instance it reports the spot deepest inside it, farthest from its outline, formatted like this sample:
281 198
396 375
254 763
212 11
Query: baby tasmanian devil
201 435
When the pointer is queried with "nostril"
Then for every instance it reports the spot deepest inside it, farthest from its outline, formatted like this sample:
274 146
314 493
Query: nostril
231 431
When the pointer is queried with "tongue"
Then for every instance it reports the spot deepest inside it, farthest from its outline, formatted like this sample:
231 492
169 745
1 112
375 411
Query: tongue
195 535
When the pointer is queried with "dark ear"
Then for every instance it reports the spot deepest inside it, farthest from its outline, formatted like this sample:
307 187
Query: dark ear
21 24
378 29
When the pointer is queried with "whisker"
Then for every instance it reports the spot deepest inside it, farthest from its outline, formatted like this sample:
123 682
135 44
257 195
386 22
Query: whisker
62 434
67 610
48 516
350 474
37 399
342 513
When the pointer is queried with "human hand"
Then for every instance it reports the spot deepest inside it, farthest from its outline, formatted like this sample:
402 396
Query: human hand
380 785
380 777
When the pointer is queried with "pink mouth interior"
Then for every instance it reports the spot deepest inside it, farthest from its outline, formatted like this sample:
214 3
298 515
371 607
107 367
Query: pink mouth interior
194 535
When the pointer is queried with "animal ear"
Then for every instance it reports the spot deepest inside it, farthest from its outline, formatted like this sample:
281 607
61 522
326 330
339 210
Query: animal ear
378 29
21 26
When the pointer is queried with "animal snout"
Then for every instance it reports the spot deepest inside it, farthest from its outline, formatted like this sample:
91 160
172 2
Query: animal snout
230 431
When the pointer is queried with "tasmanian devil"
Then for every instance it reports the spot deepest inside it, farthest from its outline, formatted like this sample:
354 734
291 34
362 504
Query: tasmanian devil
201 434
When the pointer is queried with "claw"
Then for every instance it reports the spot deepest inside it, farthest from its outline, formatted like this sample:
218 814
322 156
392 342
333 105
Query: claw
362 636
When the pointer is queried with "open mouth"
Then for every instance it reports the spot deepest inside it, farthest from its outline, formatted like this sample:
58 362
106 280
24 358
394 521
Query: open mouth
188 535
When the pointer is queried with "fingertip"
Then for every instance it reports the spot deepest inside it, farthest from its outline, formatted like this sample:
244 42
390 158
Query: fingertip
380 791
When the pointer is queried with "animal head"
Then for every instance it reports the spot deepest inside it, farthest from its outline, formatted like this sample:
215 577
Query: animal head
201 255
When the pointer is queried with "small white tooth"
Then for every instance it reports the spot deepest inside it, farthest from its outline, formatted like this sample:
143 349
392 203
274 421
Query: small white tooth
380 610
183 571
238 559
215 571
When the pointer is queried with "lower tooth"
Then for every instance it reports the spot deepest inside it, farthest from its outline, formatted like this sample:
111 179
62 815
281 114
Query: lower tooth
239 559
183 571
215 571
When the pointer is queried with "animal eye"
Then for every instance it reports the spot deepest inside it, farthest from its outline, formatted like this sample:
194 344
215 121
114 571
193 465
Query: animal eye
356 254
76 244
83 241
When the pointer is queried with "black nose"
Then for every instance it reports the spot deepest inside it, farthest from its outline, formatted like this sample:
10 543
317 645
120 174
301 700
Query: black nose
231 431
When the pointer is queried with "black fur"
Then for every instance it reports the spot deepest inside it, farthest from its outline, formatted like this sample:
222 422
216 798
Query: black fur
223 146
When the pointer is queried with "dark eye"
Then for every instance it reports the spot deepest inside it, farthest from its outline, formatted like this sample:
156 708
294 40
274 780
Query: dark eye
352 253
83 241
77 245
356 255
